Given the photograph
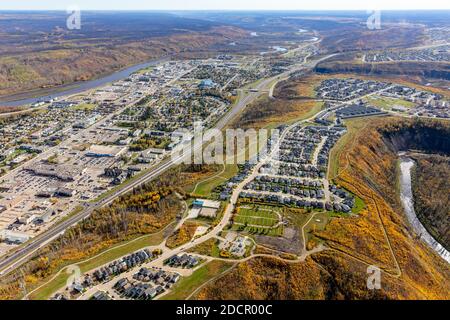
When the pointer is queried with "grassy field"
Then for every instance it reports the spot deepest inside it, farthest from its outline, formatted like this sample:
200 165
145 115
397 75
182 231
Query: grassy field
314 110
188 285
387 103
98 260
271 232
255 221
257 216
359 205
84 106
145 70
297 217
319 222
258 219
353 126
208 248
206 187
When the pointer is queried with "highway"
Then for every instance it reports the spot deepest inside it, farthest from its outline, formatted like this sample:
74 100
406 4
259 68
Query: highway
216 230
14 259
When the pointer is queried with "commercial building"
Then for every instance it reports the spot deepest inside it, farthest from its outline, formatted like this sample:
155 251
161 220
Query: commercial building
100 151
13 237
207 84
205 208
27 218
63 173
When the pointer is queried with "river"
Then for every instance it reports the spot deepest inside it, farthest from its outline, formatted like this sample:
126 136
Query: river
82 86
406 197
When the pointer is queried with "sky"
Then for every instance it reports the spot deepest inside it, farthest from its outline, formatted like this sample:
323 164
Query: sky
224 4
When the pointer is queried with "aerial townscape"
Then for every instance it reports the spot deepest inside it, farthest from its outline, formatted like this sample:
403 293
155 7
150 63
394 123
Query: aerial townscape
350 172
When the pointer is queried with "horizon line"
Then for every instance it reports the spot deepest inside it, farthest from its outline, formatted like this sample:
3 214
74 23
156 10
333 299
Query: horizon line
233 10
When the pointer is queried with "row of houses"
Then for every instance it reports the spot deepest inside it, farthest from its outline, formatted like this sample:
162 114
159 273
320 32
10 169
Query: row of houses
348 89
156 275
225 190
147 283
137 290
281 199
184 261
348 200
291 182
119 266
291 169
300 192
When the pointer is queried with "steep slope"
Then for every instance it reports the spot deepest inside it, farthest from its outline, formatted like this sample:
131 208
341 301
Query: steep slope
431 189
379 236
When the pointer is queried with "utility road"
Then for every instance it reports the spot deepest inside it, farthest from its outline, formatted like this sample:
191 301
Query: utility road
14 259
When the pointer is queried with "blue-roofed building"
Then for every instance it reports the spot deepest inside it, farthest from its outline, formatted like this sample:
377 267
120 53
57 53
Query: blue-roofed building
198 203
207 84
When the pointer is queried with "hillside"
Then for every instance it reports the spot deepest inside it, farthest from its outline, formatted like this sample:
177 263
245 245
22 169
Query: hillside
41 54
147 211
437 70
379 236
431 188
358 37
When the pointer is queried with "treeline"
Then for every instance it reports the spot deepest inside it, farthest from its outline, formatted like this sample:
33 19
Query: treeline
145 143
7 109
427 135
144 100
431 188
380 233
181 236
145 210
148 208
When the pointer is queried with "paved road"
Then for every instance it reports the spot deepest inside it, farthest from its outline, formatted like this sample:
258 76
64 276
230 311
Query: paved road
214 233
19 256
11 261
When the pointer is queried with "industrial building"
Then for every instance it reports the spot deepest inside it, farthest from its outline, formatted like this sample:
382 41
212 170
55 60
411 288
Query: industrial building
100 151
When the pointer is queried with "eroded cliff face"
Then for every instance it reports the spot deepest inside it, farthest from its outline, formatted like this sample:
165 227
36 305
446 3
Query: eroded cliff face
434 70
431 175
431 190
426 136
379 235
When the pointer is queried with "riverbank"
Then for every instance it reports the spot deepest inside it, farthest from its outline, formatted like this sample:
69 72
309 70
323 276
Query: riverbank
75 88
407 199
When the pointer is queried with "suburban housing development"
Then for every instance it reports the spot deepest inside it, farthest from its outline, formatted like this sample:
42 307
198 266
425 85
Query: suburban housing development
350 174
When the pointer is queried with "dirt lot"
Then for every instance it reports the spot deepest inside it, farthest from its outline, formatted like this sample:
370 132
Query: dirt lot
290 242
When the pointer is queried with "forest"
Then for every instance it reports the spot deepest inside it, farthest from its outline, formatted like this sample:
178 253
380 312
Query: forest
379 235
431 189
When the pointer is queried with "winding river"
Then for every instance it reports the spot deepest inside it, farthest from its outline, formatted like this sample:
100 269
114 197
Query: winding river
83 86
406 197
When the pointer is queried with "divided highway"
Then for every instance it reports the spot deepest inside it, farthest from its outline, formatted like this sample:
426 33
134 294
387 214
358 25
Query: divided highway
14 259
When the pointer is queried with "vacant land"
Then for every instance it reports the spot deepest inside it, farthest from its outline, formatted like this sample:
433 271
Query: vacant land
269 113
186 286
388 103
205 188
